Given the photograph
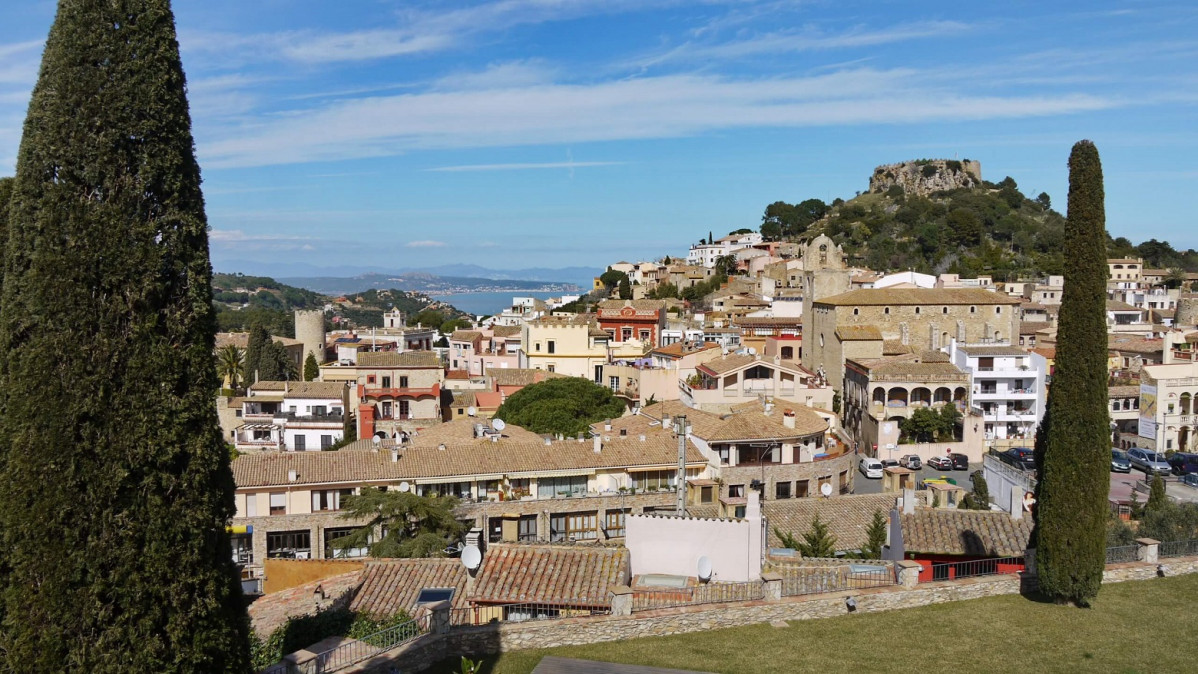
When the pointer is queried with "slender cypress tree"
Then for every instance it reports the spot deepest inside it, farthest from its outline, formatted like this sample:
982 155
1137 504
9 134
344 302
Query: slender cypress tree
311 367
259 342
115 487
1071 505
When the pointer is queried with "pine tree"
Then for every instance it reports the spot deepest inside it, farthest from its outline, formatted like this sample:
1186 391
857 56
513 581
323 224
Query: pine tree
818 542
1157 499
115 487
311 367
259 342
875 537
979 497
1071 504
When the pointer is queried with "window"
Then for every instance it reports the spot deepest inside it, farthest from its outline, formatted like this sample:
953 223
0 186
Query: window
331 552
944 310
536 346
526 528
403 382
886 311
237 413
551 346
386 382
551 487
329 499
614 523
551 367
706 494
243 548
598 374
998 310
369 379
613 383
782 490
251 505
460 411
736 491
576 526
644 335
973 310
916 311
801 490
655 480
326 441
278 504
289 544
625 334
856 311
723 453
301 443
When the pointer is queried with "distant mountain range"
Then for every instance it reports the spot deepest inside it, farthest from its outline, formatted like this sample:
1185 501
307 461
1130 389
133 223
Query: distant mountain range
350 279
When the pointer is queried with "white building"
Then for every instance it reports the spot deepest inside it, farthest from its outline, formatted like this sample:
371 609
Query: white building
292 416
1008 386
705 254
1169 407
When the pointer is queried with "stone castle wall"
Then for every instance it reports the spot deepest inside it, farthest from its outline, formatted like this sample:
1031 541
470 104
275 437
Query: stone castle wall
926 176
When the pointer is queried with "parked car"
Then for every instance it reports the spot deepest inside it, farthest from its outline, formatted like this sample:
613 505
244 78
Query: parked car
1148 461
1020 457
1184 463
871 468
1119 462
960 461
889 463
940 463
910 461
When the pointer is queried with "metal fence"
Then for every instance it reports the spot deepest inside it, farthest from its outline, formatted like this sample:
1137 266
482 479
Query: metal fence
803 580
709 593
995 566
353 652
1122 554
522 612
1179 548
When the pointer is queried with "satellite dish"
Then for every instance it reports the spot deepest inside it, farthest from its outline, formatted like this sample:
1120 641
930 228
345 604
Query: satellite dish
752 351
471 557
405 487
498 424
471 411
376 439
704 569
826 489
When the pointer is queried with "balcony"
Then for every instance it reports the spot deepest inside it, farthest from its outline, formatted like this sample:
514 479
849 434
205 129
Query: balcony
376 392
311 418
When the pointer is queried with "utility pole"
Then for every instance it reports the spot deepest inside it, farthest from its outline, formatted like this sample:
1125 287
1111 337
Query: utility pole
680 429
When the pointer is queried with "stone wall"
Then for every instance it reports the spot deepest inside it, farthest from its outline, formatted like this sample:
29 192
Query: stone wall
924 177
499 637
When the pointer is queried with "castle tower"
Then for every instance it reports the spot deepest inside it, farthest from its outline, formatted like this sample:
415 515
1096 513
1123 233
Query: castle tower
1187 312
825 274
309 329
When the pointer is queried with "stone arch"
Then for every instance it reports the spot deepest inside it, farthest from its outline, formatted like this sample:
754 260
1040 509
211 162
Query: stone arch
1184 403
959 397
921 396
896 397
879 395
942 395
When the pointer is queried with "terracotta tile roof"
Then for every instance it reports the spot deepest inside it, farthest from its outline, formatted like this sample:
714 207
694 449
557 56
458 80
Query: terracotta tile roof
1135 344
461 430
1049 352
847 517
965 532
702 423
679 349
1122 391
516 376
506 330
908 365
1032 327
894 347
550 574
858 333
465 335
614 306
748 426
917 297
457 374
1116 305
770 321
269 612
994 350
303 389
422 359
358 463
728 363
390 586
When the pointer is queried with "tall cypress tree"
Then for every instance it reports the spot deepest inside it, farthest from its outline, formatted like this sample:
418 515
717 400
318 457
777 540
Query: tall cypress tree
259 342
1071 506
115 485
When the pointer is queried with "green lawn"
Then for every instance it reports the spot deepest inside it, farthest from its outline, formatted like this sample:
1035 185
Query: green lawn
1138 626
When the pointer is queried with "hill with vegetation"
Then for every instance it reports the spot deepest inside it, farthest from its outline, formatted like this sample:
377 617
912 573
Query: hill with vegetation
242 301
988 228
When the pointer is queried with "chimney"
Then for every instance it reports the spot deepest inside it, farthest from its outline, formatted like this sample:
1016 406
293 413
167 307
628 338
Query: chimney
394 455
441 447
908 501
665 420
607 425
598 444
788 418
1167 354
495 437
642 437
292 475
548 442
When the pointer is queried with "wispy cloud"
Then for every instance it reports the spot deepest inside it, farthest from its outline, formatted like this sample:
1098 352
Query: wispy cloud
524 166
638 108
425 244
239 236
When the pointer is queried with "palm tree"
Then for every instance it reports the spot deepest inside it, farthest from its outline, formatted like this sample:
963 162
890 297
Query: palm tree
1175 278
229 360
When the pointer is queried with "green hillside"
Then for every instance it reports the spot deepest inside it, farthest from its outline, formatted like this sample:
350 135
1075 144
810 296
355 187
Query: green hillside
992 229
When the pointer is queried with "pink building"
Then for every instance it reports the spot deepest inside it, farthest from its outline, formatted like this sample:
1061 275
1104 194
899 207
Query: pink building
484 349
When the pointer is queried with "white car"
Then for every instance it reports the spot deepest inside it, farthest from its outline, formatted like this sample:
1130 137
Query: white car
871 468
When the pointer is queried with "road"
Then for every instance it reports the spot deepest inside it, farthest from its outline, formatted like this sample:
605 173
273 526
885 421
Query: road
864 485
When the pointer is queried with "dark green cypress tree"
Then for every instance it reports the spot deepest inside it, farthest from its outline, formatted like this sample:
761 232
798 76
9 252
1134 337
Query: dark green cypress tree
311 367
1071 507
115 487
258 344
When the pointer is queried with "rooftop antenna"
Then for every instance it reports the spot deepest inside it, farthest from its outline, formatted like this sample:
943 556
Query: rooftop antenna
472 557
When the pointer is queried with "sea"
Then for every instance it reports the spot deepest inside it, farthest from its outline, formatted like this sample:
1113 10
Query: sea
489 304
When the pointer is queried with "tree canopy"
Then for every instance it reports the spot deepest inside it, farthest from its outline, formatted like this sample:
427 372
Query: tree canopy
415 526
568 405
115 486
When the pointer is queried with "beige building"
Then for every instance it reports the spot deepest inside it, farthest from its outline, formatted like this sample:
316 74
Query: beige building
398 391
1169 407
723 382
857 323
1124 273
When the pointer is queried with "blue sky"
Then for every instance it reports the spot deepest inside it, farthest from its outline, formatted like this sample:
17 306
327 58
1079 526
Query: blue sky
518 133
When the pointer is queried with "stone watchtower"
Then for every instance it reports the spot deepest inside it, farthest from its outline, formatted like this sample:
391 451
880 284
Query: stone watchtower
1187 311
825 274
309 329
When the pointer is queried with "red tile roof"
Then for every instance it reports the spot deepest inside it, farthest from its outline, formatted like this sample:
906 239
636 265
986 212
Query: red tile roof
392 585
550 574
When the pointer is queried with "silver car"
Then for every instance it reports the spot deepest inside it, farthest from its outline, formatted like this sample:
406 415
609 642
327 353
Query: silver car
1148 461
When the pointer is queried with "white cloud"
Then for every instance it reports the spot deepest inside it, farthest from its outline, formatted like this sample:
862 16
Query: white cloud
236 236
425 244
524 167
638 108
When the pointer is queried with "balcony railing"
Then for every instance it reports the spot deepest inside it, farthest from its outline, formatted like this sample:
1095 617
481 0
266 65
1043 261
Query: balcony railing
376 392
312 418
